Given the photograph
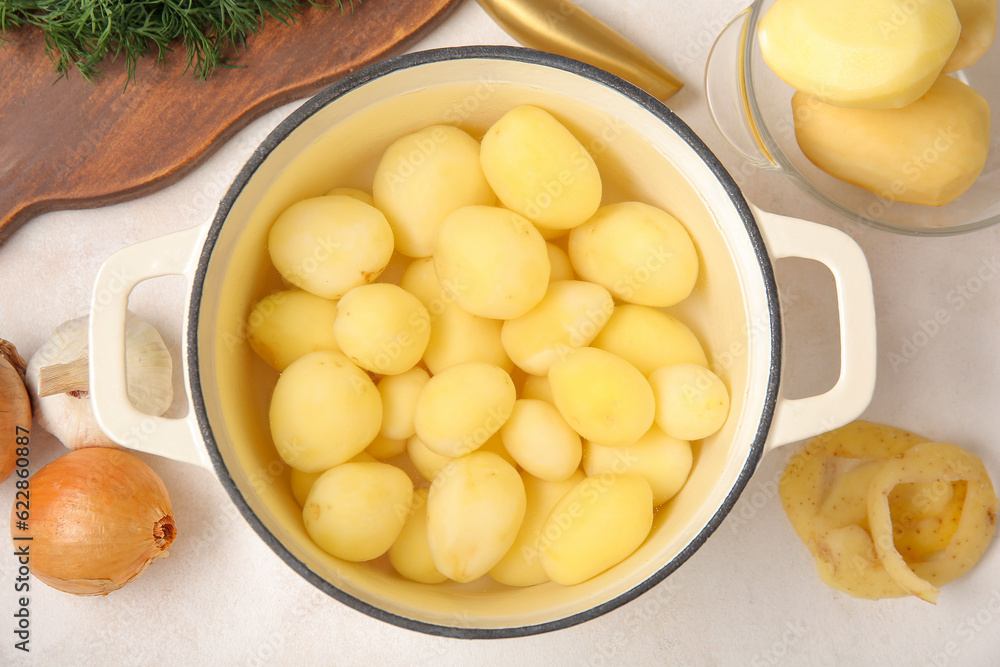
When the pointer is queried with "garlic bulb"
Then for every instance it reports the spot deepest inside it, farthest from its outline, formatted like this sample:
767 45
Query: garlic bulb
15 407
99 518
68 414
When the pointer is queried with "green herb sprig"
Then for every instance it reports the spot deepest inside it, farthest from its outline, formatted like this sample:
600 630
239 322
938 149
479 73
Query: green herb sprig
82 33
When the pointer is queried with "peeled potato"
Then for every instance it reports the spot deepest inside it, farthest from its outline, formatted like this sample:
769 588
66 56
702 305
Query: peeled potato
537 386
382 328
399 402
979 28
496 446
539 169
691 401
330 245
550 234
462 407
641 253
383 448
420 279
871 54
522 565
427 462
597 525
929 152
410 554
302 482
561 267
569 316
422 178
541 441
648 338
287 325
355 511
457 336
603 397
324 411
492 261
354 193
662 461
474 510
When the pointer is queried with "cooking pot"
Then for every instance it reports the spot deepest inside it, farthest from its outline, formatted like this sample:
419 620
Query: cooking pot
335 139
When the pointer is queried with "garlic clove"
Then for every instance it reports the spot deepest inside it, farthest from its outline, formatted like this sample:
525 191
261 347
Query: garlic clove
70 416
148 367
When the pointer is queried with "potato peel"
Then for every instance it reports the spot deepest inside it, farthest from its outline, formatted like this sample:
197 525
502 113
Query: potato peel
935 512
934 462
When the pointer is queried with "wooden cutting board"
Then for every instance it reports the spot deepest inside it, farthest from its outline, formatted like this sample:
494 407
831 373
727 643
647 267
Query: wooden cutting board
71 144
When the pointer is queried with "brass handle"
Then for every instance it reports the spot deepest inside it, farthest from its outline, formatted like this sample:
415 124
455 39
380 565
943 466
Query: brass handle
561 27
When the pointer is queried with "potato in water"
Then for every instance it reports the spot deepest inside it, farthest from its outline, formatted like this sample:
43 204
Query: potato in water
410 554
459 409
330 245
324 411
457 336
596 526
422 178
569 316
641 253
287 325
856 494
603 397
399 402
691 401
539 169
302 482
355 511
522 564
382 328
541 441
493 262
648 338
662 461
474 510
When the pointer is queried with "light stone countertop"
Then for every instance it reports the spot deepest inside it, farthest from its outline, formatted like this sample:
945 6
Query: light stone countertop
749 596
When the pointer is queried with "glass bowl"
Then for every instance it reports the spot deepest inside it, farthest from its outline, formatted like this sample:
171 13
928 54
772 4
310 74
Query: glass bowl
752 108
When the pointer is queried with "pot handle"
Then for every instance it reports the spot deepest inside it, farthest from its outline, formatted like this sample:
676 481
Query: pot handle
177 439
797 419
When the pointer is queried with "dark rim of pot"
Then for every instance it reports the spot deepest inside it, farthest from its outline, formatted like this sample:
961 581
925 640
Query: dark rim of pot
640 97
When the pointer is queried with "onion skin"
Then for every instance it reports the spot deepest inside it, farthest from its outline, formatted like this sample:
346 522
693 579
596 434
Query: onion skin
15 407
99 517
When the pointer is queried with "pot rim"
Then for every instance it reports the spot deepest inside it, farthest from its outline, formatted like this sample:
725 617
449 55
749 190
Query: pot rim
509 53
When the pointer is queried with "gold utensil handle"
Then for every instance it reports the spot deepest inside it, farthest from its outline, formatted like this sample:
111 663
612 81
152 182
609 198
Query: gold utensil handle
561 27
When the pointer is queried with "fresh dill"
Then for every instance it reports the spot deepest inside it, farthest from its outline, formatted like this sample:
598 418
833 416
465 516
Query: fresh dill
82 33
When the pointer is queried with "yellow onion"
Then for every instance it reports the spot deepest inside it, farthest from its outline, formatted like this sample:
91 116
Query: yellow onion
98 518
15 407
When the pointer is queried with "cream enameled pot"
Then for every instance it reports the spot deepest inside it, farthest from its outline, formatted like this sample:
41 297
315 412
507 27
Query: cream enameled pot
644 152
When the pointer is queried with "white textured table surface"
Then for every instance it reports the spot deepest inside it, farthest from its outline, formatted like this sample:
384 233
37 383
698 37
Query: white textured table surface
750 596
